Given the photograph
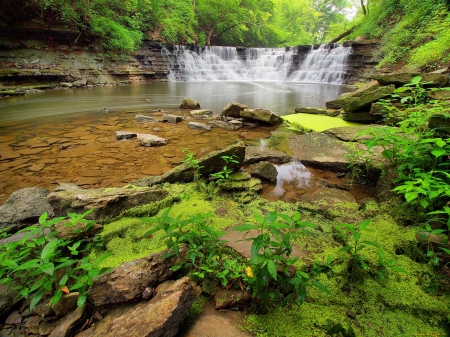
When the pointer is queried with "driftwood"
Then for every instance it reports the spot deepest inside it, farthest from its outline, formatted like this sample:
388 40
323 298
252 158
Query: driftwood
344 34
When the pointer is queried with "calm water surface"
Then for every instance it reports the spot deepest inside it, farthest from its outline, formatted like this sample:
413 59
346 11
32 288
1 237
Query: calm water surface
64 136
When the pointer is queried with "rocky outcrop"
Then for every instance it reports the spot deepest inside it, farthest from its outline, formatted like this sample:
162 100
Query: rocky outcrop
261 115
151 140
129 280
109 202
189 103
211 163
159 317
368 97
24 207
71 323
400 79
8 298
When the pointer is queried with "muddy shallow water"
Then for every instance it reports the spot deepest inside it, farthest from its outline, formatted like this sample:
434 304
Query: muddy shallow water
64 136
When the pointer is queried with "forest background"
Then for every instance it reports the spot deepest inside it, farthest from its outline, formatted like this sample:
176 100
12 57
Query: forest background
411 32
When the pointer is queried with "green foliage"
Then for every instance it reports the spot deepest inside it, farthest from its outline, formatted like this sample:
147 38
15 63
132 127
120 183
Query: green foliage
38 264
412 33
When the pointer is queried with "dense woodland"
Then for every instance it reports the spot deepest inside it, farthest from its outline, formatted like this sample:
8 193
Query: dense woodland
411 31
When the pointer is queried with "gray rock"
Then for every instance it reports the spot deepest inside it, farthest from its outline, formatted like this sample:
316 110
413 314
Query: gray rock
71 323
400 79
339 102
312 111
67 187
172 118
199 126
233 109
105 202
13 318
368 87
225 125
145 119
205 113
130 279
151 140
265 171
368 98
189 103
159 317
24 207
210 163
361 117
261 115
254 154
125 135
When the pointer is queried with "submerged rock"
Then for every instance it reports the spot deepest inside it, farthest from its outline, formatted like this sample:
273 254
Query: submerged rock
199 126
24 207
145 119
151 140
189 103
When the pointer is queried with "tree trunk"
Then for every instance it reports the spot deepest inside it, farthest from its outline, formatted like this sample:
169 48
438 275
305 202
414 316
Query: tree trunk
344 34
363 7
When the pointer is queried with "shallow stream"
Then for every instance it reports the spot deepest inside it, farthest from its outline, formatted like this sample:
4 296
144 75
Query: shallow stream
67 135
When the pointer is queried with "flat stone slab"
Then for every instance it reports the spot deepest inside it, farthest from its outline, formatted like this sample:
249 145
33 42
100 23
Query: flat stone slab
145 119
199 126
151 140
125 135
255 154
350 133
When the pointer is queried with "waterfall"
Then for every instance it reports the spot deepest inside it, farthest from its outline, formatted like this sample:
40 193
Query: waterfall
325 64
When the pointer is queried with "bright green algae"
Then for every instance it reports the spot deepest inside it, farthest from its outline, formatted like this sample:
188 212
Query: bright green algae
308 122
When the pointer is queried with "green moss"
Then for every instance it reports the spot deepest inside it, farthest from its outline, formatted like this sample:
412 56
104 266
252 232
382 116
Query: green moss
150 209
307 122
253 185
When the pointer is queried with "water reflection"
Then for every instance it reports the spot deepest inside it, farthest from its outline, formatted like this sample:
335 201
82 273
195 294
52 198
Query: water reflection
294 174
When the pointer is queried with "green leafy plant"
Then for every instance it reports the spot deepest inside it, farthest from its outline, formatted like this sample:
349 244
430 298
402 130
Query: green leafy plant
270 258
417 93
38 264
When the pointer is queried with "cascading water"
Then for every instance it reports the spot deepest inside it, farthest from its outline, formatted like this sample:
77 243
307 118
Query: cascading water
327 64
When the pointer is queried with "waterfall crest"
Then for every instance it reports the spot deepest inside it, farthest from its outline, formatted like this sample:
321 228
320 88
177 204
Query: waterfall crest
326 64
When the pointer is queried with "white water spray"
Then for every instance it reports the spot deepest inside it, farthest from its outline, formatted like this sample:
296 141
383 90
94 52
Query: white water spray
323 65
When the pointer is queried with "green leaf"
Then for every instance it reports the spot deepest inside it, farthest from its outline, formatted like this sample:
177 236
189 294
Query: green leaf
257 259
56 297
63 280
438 152
345 249
36 298
410 196
43 218
416 80
49 249
245 227
81 299
320 286
48 268
272 269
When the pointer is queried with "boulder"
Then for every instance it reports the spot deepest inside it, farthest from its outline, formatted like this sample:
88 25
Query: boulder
24 207
189 103
199 126
109 202
254 154
265 171
211 163
368 98
129 280
201 114
233 109
159 317
339 102
125 135
368 87
71 323
261 115
151 140
361 117
145 119
400 79
172 118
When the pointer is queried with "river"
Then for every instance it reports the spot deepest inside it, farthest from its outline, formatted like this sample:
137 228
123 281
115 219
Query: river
67 136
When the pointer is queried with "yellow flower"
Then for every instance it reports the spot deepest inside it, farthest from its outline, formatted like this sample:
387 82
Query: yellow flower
249 272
